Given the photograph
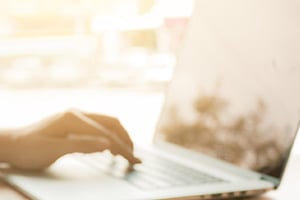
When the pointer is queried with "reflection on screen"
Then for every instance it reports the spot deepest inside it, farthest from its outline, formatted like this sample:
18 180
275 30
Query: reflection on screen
237 121
235 92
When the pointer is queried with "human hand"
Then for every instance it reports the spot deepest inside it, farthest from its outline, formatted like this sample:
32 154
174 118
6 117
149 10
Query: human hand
37 146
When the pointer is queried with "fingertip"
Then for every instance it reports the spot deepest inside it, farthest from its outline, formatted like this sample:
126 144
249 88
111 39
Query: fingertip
134 160
87 144
137 161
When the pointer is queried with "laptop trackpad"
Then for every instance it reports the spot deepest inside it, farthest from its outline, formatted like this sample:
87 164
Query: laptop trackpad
69 179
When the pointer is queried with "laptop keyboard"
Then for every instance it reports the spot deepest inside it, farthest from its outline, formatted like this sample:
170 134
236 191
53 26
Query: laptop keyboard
154 172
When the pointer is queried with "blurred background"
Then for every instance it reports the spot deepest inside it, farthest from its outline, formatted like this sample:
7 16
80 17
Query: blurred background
90 43
108 56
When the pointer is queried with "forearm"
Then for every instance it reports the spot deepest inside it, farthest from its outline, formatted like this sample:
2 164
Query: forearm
6 145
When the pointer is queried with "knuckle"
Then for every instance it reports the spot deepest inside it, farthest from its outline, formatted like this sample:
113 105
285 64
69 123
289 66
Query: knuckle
70 113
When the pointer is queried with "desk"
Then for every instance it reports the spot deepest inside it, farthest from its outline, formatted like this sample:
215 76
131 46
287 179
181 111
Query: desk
288 190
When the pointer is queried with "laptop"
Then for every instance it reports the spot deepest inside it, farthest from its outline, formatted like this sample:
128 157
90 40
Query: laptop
228 123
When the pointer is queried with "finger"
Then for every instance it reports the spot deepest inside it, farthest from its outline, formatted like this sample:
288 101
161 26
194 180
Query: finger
74 122
80 123
118 146
75 144
112 124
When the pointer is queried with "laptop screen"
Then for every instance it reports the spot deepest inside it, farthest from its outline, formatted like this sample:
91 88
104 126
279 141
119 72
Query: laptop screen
235 92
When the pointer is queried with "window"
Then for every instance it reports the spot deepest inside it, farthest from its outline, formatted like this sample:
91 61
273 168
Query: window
90 43
73 53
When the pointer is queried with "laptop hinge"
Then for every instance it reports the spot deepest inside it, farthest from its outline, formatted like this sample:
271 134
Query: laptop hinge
271 179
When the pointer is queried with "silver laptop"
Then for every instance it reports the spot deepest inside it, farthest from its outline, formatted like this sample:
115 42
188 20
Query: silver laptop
228 122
